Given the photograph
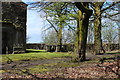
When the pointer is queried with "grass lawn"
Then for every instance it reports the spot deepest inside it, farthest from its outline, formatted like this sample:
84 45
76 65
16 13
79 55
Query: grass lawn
47 64
33 55
44 61
35 50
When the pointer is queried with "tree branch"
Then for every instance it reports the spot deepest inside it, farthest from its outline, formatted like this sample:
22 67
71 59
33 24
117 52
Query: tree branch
47 28
114 3
112 14
118 20
52 25
81 7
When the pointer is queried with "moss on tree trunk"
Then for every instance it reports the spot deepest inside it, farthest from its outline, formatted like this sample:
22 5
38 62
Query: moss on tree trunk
76 48
83 29
97 30
83 21
59 36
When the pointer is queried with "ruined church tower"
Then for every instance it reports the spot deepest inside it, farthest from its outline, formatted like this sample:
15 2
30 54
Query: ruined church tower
13 27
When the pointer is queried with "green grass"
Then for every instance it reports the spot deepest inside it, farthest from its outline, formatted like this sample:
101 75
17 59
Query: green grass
51 67
113 53
38 55
32 56
35 50
38 69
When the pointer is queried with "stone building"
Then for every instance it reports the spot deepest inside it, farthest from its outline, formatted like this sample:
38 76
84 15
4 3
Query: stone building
13 27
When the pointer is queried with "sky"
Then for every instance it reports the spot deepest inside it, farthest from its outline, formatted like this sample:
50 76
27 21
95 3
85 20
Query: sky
34 27
34 24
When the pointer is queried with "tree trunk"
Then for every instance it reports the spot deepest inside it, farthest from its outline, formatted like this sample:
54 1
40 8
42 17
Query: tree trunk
97 30
84 15
83 29
119 29
119 35
59 35
76 48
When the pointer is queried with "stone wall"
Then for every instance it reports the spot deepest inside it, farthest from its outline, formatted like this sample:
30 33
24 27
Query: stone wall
70 47
35 46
